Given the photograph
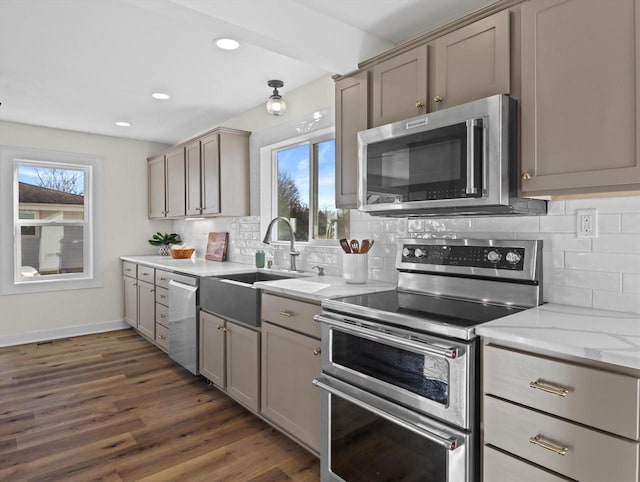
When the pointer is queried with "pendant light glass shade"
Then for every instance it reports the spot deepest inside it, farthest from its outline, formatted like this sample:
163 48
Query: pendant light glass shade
276 104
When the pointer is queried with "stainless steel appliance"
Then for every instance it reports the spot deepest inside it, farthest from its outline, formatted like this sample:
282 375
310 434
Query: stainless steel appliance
183 321
400 368
460 160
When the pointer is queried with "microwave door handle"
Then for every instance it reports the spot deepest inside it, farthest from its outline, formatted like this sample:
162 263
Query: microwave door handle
472 144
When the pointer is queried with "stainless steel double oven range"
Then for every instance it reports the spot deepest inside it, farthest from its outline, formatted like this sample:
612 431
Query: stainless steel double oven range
400 381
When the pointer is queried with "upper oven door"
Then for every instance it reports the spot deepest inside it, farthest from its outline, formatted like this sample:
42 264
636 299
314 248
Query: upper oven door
432 375
454 158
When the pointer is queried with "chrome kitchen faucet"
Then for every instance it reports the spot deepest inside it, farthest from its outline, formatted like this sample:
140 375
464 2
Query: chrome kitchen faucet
292 253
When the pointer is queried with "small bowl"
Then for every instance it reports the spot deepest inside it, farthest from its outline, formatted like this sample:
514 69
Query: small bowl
181 253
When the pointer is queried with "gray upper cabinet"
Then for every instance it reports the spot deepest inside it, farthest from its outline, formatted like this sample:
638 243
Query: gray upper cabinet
192 164
206 176
472 62
157 207
175 182
352 102
400 87
580 112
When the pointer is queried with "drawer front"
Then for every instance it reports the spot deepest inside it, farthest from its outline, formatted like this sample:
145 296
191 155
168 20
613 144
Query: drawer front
145 273
500 467
591 456
163 278
162 336
600 399
292 314
162 296
162 315
129 269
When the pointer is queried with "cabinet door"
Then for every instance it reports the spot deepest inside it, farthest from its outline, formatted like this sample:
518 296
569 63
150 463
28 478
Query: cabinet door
472 62
210 174
400 87
580 88
157 187
212 348
243 372
290 362
130 301
175 183
234 172
193 178
352 111
146 309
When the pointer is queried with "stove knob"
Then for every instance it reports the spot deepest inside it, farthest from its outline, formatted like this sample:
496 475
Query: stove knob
494 256
406 252
420 253
513 257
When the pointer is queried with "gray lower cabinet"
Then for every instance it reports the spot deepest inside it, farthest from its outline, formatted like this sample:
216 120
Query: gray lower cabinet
130 294
230 357
290 361
550 419
146 309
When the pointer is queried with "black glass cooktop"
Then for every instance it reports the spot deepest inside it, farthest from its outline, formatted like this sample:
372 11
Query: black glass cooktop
411 309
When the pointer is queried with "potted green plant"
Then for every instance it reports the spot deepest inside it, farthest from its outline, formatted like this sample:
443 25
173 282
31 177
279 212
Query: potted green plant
164 241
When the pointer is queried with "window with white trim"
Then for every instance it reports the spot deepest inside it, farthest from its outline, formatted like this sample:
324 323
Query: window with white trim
53 221
302 187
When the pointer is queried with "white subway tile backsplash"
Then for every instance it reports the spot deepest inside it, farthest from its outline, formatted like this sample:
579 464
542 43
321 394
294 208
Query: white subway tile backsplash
611 262
631 282
617 243
630 223
568 295
607 300
558 224
601 272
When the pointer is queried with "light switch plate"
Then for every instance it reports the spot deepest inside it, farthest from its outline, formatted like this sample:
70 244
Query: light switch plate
587 223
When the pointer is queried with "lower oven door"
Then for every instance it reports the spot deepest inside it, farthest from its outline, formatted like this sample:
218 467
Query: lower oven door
366 438
432 375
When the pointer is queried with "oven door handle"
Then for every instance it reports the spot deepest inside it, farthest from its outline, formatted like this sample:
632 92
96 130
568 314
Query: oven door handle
450 442
447 352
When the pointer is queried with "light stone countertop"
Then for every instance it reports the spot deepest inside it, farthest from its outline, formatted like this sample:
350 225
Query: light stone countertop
604 336
309 286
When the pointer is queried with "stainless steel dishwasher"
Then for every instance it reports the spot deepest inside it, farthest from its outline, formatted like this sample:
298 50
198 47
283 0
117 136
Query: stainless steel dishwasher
183 321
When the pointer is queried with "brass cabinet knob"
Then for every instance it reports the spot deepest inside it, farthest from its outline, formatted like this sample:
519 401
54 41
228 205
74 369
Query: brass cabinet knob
437 99
419 104
526 176
317 351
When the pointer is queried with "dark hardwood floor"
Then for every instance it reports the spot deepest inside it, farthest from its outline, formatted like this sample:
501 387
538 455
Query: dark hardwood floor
113 407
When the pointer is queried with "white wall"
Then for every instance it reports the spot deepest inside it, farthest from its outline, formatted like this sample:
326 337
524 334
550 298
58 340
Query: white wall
29 317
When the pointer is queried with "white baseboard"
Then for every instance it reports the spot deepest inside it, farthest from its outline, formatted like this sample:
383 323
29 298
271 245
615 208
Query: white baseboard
46 335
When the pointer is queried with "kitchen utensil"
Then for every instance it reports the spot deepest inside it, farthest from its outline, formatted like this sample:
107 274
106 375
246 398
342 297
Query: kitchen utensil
364 247
344 244
370 245
355 246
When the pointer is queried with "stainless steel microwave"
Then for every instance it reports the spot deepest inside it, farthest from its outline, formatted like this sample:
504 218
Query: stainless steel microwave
457 161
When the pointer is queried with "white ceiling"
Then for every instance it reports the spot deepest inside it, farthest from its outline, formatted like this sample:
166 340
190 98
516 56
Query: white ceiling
85 64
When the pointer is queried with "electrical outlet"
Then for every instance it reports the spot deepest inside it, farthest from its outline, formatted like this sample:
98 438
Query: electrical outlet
587 223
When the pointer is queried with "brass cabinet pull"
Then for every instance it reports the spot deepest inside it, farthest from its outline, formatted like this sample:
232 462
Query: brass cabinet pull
162 297
437 99
163 316
537 440
538 385
288 314
419 104
145 274
219 327
526 176
163 279
317 351
162 337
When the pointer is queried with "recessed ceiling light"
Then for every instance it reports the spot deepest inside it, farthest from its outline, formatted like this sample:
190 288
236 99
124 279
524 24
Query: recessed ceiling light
123 124
160 96
226 43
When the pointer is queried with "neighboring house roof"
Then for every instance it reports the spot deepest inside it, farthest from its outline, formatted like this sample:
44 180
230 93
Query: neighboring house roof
28 193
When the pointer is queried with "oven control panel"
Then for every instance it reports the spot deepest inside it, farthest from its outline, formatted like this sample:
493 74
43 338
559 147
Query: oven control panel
493 257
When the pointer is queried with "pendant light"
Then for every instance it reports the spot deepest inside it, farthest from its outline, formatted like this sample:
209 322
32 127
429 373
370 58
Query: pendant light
276 104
